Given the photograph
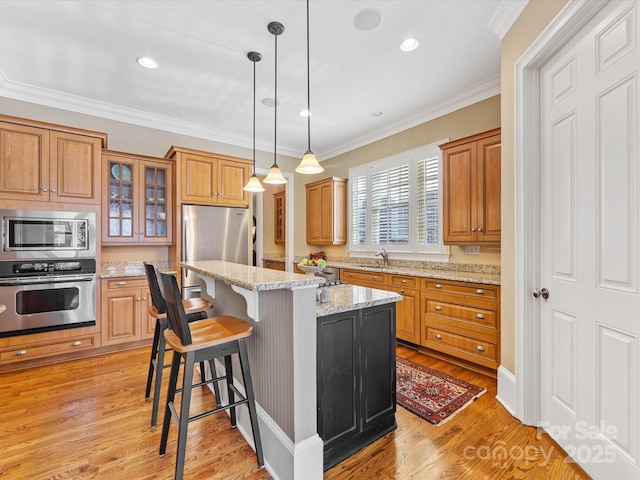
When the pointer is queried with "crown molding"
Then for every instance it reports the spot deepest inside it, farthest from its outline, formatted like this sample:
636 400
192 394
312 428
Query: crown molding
505 15
63 101
73 103
481 91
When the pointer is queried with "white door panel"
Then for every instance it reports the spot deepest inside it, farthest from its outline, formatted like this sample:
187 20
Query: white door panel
590 323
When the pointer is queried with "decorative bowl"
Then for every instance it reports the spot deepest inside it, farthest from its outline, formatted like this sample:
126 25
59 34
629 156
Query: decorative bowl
310 269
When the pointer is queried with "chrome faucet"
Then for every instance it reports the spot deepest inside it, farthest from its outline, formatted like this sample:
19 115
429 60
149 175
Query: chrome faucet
385 256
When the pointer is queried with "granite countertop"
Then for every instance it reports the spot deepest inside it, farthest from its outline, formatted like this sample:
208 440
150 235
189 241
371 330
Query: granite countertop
344 298
251 278
484 274
132 269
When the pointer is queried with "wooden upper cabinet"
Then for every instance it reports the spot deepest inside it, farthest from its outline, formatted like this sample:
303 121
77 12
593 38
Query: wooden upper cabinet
138 199
211 179
279 217
327 212
49 163
471 190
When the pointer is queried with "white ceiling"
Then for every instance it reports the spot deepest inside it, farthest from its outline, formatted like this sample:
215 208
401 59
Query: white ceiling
80 56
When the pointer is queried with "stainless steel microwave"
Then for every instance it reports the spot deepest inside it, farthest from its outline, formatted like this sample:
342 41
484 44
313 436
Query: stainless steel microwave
47 234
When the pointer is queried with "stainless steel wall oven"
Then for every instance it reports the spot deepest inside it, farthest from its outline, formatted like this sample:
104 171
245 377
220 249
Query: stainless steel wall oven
47 271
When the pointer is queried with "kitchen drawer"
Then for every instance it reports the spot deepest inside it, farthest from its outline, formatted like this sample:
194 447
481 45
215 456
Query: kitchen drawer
127 282
273 264
372 278
405 281
467 346
479 316
61 346
472 290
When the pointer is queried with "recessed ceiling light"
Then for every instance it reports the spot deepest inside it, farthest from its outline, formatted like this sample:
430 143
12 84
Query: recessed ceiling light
269 102
147 62
376 114
304 113
409 44
367 19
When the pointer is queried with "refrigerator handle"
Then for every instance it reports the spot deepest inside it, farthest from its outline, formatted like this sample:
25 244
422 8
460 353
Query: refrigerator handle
185 255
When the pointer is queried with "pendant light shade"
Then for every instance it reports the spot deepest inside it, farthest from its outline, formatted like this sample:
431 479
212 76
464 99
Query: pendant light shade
275 175
309 163
253 185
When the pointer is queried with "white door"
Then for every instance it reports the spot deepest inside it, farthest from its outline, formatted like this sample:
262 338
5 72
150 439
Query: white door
590 322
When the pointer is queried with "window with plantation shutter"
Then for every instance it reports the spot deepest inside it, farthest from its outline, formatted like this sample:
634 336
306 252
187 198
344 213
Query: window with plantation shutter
396 205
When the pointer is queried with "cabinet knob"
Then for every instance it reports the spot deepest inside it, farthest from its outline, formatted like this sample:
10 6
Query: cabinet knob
438 285
480 348
139 299
438 307
144 298
45 189
53 190
375 277
77 343
438 336
20 353
480 316
404 281
121 283
402 290
479 229
480 291
473 229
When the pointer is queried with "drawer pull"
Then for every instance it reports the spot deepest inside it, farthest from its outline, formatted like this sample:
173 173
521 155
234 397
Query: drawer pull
438 285
480 291
438 336
121 283
480 348
375 277
438 307
19 353
480 316
77 343
402 290
404 281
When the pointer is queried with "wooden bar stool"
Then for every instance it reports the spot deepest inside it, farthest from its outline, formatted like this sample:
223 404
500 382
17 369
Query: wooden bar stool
196 309
202 341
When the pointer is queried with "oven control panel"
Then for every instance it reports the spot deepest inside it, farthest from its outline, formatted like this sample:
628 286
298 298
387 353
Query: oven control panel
46 267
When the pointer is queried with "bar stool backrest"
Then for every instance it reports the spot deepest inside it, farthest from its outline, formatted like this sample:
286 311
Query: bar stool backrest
156 297
175 309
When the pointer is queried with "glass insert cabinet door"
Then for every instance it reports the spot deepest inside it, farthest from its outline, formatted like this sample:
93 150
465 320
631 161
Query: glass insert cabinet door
137 209
155 210
121 198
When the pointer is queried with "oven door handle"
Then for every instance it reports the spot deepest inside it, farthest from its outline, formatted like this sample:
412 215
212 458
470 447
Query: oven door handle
16 282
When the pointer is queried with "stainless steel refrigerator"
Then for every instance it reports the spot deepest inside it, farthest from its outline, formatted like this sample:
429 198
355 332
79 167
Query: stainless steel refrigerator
212 233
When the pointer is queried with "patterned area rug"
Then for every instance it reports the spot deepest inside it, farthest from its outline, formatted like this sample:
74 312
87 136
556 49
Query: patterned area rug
430 394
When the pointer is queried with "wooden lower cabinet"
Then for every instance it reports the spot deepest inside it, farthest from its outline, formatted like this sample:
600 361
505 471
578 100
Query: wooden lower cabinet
462 320
273 264
407 311
356 365
48 348
125 303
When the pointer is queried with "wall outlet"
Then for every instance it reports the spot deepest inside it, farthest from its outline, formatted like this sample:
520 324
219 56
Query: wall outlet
472 250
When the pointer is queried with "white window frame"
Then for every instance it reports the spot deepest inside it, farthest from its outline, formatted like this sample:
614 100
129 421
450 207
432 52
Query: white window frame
412 250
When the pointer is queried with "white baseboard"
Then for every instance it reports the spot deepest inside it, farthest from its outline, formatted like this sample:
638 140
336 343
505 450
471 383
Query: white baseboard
283 459
507 390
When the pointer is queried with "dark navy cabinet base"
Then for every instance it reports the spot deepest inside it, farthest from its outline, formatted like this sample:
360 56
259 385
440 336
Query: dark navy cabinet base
356 362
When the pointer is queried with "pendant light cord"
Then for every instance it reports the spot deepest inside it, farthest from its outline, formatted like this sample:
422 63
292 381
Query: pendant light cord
254 117
308 87
275 107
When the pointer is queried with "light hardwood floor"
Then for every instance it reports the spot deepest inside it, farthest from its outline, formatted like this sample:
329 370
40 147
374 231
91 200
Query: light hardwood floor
87 419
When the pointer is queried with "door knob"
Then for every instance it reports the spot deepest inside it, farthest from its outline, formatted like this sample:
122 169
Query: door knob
544 293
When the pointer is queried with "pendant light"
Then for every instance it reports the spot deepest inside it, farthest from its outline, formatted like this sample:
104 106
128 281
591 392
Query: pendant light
309 163
253 185
275 175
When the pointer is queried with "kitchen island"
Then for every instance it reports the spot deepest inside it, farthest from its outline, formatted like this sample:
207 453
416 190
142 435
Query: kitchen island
283 354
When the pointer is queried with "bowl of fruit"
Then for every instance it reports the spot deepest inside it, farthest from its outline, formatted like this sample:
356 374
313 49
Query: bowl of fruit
312 266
